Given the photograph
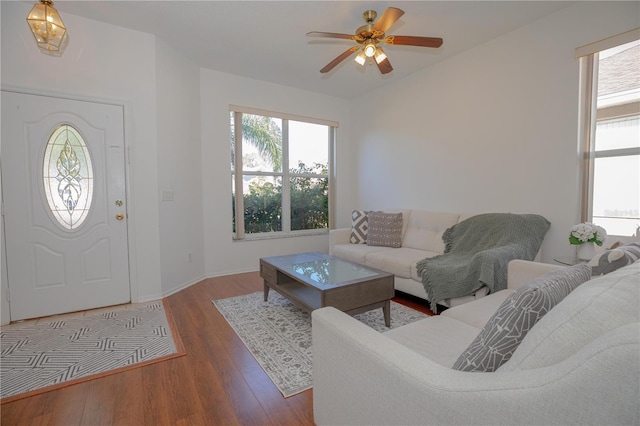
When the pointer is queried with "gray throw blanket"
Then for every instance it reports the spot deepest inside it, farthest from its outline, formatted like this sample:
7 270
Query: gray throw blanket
477 251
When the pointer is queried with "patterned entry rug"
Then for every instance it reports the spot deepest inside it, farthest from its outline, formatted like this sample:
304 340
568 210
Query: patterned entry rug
278 334
51 353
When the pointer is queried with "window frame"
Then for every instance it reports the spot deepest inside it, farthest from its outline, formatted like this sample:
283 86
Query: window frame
589 116
238 172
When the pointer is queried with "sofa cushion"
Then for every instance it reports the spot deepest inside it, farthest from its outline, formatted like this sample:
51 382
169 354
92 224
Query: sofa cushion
516 316
359 227
441 339
397 261
356 253
480 311
385 229
613 259
598 306
425 229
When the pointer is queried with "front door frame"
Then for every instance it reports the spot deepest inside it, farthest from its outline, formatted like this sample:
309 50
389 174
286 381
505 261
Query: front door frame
5 302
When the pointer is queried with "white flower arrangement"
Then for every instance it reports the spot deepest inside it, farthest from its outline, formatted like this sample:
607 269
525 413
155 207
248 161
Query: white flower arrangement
587 233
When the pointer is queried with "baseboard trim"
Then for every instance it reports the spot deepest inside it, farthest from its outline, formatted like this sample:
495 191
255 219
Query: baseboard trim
195 281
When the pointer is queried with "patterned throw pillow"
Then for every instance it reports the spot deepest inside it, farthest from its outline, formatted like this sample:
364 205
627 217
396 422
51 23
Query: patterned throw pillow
359 227
614 259
505 330
385 229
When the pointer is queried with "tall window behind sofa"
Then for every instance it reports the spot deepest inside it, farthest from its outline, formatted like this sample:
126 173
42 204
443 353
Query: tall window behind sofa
281 168
610 133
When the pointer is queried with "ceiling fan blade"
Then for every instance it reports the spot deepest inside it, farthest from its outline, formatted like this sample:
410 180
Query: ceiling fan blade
388 18
344 55
330 35
414 41
385 66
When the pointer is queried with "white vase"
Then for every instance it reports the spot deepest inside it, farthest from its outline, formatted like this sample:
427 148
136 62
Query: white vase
586 251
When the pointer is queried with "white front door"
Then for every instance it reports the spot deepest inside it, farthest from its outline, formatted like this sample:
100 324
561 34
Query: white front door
63 184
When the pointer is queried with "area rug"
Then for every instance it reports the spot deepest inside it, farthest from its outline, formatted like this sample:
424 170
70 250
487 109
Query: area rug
51 353
278 334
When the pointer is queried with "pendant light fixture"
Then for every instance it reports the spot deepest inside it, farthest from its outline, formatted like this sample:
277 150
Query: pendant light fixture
47 28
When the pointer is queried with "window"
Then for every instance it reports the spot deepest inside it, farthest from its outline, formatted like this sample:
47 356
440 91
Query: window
67 177
280 167
610 123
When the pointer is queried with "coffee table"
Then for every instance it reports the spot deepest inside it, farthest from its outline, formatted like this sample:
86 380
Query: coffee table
315 280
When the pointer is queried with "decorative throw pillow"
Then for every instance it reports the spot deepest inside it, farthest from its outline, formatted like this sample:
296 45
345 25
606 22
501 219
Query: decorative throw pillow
385 229
507 327
613 259
359 227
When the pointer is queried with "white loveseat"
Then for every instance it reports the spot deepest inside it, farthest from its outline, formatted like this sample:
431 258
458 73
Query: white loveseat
421 238
579 364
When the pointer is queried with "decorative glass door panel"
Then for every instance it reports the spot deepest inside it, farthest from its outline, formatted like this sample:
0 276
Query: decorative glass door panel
67 176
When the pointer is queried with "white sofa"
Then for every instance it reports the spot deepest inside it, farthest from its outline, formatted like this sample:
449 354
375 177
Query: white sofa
580 364
421 238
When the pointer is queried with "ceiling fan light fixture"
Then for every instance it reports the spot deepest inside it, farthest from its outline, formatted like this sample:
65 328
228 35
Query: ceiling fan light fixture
370 35
370 49
47 28
380 55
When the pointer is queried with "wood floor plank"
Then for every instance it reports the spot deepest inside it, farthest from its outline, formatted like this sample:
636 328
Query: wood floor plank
128 405
102 395
37 410
69 405
217 382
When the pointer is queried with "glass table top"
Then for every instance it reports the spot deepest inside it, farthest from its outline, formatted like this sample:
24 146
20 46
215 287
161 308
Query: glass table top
331 271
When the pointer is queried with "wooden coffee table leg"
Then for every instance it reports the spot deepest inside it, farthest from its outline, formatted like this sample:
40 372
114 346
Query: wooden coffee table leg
386 310
266 290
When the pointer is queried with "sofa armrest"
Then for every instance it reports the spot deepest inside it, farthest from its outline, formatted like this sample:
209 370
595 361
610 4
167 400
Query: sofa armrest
338 236
361 376
520 272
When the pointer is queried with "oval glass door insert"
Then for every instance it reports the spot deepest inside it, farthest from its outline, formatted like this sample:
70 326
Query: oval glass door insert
67 175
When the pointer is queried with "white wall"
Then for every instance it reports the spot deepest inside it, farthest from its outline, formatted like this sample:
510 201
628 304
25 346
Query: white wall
109 63
179 169
492 129
218 91
5 313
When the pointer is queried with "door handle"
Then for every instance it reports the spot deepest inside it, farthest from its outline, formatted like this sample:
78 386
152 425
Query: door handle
119 216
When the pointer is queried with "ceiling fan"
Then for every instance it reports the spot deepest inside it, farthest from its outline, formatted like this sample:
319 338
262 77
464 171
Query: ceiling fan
371 35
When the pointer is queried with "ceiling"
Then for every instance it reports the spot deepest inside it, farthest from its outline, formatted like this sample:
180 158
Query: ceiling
266 40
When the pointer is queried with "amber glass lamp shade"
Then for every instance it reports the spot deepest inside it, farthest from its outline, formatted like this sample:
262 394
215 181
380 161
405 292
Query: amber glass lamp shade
47 28
380 55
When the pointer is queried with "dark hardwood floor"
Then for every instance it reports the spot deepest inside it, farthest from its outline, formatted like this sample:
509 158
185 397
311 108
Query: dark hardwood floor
218 382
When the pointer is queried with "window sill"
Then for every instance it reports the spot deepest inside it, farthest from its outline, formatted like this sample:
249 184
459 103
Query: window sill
280 235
